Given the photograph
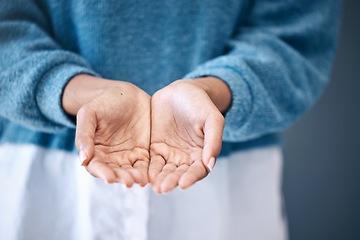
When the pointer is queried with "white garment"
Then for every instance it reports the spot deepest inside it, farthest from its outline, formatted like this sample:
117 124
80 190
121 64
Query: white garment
240 199
45 194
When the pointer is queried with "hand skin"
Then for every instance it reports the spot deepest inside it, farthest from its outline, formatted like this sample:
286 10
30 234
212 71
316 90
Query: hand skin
113 128
115 146
186 131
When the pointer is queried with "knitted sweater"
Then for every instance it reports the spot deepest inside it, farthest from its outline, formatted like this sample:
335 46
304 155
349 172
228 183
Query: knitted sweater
274 55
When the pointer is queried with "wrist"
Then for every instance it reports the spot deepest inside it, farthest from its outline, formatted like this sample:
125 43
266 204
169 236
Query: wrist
82 89
217 90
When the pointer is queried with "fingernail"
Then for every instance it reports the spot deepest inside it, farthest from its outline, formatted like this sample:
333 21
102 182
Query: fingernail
211 164
82 157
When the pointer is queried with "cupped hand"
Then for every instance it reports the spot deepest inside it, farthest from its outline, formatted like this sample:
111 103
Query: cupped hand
113 135
186 136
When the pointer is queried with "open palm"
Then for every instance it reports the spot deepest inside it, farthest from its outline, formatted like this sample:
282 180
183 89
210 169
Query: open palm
113 131
186 136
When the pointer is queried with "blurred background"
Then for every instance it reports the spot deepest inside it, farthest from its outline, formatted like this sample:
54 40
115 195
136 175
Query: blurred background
322 150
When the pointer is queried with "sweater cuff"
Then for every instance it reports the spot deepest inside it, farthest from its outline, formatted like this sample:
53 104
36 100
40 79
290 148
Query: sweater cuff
50 89
241 102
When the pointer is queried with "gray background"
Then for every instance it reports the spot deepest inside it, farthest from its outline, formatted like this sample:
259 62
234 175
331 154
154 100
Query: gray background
322 150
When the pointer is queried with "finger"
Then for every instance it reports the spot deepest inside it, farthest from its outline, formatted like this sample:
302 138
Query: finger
213 132
141 177
156 165
138 177
86 125
196 172
167 169
102 171
122 173
171 181
124 176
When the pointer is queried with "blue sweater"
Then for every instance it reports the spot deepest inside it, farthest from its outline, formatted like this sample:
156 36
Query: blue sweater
274 55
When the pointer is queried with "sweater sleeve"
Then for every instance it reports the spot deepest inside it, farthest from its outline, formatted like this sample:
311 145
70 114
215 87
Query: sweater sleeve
277 65
33 68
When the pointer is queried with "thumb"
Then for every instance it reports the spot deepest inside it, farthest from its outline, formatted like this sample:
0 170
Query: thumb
213 131
86 125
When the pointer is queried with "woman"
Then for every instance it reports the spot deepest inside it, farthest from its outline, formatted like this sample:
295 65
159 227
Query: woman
258 65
